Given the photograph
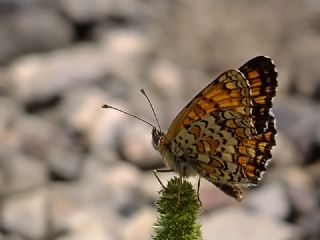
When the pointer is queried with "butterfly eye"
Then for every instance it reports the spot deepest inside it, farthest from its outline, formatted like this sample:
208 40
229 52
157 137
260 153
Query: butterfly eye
156 136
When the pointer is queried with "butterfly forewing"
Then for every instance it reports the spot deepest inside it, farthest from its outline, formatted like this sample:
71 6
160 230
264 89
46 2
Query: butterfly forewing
229 91
262 76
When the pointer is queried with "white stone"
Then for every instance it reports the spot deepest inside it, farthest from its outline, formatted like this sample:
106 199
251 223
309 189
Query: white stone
290 156
87 224
127 52
270 200
25 172
166 77
25 213
82 112
92 10
237 223
300 189
43 75
135 143
139 227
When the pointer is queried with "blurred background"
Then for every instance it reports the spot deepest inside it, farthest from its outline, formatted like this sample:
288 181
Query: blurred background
70 170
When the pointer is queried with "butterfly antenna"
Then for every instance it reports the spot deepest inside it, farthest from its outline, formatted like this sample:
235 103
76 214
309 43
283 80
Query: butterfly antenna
154 113
119 110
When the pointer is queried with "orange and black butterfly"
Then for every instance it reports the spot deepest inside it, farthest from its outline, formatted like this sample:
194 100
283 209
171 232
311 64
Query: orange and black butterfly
226 133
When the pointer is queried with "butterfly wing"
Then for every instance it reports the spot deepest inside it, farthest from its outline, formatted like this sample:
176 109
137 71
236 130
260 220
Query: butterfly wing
262 76
216 147
228 130
229 91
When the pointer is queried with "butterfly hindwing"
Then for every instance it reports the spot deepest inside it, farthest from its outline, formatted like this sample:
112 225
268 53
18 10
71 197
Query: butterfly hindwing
215 143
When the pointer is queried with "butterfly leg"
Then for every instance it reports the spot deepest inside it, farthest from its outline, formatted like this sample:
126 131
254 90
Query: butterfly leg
162 171
179 191
198 191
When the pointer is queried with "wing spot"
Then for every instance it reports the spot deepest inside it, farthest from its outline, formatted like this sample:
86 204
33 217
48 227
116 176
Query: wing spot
195 131
206 123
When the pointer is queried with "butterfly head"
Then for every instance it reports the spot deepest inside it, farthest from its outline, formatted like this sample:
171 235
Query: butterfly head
156 137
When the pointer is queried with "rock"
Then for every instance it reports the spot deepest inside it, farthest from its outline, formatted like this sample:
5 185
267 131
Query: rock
87 224
22 173
65 157
139 226
135 145
11 236
40 76
20 166
110 124
285 152
167 78
304 67
275 193
236 223
32 29
298 119
85 11
9 117
284 77
75 203
20 209
300 190
122 181
19 4
310 223
201 52
313 171
128 53
89 11
34 135
44 142
291 113
4 85
109 191
66 200
83 114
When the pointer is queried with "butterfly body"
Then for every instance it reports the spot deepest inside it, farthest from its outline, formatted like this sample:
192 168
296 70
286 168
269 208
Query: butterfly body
173 160
226 133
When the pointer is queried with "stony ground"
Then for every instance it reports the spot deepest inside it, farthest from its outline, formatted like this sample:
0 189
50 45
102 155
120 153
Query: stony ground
70 170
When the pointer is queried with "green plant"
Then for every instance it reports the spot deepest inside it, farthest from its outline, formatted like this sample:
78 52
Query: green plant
177 220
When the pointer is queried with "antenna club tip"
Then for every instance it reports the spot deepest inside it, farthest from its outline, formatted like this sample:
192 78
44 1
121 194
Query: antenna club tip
142 90
105 106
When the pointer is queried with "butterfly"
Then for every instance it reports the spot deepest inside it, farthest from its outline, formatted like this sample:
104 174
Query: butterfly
225 134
